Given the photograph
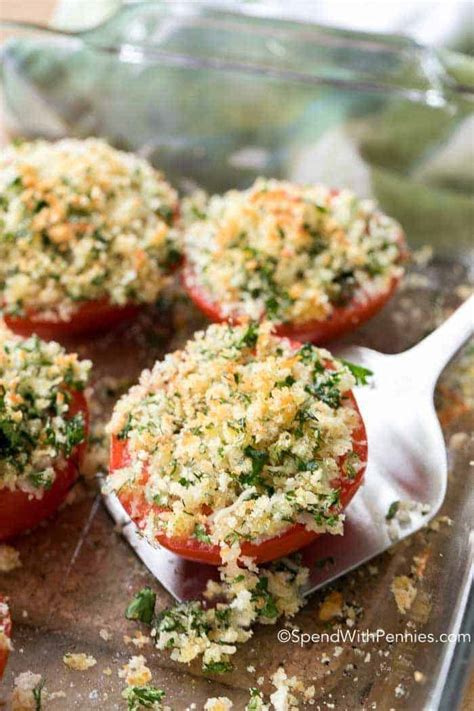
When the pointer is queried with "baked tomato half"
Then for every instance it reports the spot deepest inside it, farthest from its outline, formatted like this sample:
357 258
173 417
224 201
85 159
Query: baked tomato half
342 319
294 538
88 318
5 633
19 511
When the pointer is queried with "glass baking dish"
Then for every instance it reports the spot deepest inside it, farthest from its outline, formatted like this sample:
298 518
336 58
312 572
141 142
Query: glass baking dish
216 98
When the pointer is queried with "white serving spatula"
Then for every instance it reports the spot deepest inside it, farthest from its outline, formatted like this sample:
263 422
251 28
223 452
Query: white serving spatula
407 463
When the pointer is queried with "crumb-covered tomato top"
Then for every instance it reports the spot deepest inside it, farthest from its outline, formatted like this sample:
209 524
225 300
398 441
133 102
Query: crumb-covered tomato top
81 221
237 436
37 382
287 252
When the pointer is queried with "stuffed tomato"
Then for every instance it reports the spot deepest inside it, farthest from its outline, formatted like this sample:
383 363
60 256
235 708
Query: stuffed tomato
43 429
87 236
241 439
315 262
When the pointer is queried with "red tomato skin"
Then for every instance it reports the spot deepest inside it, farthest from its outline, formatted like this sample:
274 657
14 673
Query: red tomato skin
342 320
89 318
19 512
291 540
7 624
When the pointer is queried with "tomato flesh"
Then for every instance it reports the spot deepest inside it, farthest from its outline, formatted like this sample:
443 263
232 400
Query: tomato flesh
292 539
20 512
343 319
6 625
90 317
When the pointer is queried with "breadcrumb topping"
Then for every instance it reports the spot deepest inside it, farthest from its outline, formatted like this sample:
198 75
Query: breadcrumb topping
236 437
36 434
81 221
9 558
136 672
404 592
79 661
244 596
218 703
287 252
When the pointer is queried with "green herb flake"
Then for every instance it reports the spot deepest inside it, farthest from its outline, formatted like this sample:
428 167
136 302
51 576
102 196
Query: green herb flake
201 534
392 510
37 694
142 607
217 667
360 373
143 697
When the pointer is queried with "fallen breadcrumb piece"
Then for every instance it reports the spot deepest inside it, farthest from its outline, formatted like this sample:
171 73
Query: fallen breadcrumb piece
104 634
419 677
79 661
135 672
139 640
219 703
9 559
418 567
28 693
107 671
436 523
283 698
256 702
400 691
404 592
331 606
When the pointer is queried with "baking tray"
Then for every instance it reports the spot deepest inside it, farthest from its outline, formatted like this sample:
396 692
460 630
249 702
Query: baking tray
215 99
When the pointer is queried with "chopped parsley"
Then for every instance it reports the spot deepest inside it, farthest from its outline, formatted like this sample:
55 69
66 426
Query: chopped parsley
217 667
142 607
392 510
143 697
201 534
360 373
37 694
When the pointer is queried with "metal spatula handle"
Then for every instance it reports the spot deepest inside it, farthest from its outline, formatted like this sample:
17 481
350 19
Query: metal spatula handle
425 361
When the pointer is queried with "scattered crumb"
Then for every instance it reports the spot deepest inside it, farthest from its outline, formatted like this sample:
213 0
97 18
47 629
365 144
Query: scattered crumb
400 691
283 698
251 669
338 651
9 559
107 671
105 635
419 677
419 564
79 661
458 440
437 522
331 606
220 703
140 640
404 592
422 256
23 697
135 672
